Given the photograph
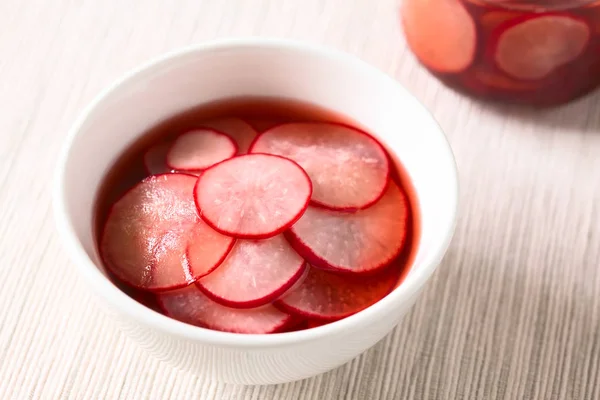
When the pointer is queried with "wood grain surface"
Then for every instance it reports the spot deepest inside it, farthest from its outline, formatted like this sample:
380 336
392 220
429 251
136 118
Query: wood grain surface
513 312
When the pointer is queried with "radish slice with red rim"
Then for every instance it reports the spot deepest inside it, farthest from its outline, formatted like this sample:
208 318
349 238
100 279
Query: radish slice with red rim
253 196
533 46
191 306
327 296
199 149
239 130
206 249
441 33
155 159
349 169
360 242
254 273
144 242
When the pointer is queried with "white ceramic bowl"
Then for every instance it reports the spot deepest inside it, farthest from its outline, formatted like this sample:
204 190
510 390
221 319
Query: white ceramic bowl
204 73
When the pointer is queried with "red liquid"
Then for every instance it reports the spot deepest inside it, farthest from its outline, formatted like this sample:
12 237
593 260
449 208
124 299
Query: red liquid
129 169
538 53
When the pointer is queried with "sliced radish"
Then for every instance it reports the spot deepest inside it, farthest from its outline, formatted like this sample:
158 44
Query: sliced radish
534 46
360 242
297 283
155 159
441 33
145 235
254 273
327 296
253 196
206 249
239 130
348 168
199 149
190 305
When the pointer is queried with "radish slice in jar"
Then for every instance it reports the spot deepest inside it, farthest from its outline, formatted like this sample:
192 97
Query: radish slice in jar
533 46
441 33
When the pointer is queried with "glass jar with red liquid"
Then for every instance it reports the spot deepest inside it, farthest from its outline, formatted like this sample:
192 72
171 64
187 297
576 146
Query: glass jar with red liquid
542 53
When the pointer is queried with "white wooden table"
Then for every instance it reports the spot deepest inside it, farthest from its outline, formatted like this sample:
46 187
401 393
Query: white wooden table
513 312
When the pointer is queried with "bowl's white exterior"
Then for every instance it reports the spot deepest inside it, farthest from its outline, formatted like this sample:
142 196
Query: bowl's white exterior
205 73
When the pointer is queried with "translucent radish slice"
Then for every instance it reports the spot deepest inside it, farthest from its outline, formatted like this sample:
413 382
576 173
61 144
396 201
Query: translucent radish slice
206 249
254 273
327 296
191 306
253 196
425 20
155 159
348 168
534 46
199 149
147 231
361 242
238 129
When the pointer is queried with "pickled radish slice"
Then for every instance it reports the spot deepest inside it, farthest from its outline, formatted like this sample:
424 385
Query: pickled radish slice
155 159
440 33
239 130
359 242
206 249
253 196
348 168
534 46
191 306
255 273
327 296
199 149
144 238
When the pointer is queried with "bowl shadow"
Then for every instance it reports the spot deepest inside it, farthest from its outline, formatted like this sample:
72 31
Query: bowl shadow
576 114
512 312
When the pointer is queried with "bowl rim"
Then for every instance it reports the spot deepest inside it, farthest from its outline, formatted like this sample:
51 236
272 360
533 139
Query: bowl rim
103 287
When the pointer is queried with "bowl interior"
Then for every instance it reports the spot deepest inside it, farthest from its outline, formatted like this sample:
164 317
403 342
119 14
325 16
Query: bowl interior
324 78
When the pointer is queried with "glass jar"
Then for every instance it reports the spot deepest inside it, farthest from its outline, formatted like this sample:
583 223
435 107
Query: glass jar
538 53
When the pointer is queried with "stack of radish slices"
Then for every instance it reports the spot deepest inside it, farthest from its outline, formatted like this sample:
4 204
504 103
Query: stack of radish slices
233 231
